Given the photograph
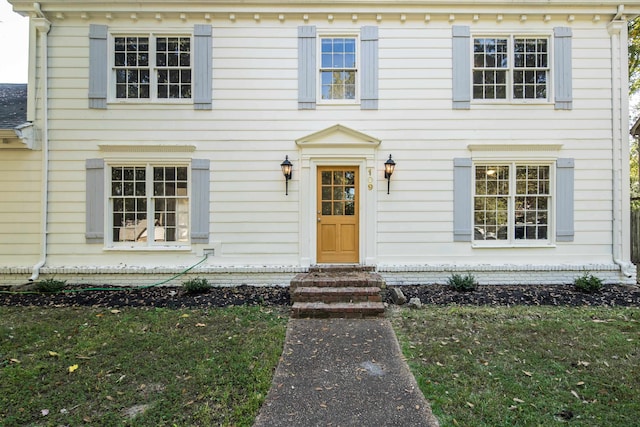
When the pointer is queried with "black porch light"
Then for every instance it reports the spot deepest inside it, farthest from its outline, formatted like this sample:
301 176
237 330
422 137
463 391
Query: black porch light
286 171
389 167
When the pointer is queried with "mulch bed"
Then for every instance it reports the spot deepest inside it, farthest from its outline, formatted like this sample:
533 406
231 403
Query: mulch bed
174 297
554 295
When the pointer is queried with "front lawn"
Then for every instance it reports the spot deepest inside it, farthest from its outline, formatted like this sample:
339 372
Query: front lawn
136 366
525 366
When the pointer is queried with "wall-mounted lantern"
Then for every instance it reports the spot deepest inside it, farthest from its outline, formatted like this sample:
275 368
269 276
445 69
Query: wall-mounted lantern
389 167
286 171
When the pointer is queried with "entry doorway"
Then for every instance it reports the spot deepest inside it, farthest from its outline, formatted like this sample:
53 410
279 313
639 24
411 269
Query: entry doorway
338 231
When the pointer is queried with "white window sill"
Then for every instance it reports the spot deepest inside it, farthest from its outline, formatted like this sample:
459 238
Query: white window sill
523 102
150 101
507 245
148 248
348 102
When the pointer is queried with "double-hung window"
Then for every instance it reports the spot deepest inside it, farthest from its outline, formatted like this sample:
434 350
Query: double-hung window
152 67
511 68
512 202
149 204
338 68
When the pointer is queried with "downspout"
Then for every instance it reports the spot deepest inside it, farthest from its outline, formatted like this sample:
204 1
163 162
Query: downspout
617 29
42 25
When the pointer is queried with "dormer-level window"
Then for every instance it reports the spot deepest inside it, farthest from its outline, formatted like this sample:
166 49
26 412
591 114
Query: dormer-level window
152 67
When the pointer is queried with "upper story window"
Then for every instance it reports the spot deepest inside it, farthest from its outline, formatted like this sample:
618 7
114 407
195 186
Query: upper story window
152 67
512 202
338 68
510 68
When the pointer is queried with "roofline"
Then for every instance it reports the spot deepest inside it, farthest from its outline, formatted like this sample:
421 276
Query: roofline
26 7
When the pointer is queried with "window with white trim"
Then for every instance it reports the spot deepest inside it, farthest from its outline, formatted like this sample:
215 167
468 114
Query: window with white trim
149 204
338 68
512 202
511 68
153 67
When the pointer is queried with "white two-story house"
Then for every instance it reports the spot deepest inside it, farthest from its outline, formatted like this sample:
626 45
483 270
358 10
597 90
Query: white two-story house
424 138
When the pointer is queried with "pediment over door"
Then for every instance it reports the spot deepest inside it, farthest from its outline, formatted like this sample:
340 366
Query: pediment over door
338 136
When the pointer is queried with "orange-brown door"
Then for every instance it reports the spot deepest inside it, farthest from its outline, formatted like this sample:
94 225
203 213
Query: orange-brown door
338 213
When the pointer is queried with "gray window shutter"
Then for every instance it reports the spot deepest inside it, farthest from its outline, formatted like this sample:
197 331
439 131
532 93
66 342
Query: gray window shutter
98 66
461 64
369 66
202 67
94 232
307 67
462 199
562 68
564 200
200 201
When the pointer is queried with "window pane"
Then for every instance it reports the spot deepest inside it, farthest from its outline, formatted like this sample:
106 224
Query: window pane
337 74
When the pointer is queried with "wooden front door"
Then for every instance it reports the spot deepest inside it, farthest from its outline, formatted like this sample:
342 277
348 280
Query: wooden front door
338 213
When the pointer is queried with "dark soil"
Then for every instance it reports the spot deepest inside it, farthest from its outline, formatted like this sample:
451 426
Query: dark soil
174 297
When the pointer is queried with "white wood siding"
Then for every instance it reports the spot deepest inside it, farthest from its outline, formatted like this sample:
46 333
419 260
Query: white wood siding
255 121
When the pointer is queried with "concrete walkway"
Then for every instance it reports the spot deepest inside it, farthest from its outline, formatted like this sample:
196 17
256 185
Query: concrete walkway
343 372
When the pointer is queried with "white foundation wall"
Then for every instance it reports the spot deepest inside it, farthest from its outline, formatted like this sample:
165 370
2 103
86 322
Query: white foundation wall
281 276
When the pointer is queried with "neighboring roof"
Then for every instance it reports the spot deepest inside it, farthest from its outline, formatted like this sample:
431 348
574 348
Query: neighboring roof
13 105
635 129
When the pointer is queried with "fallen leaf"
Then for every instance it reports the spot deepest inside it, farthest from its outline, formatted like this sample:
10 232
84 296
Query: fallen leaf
580 383
53 354
109 398
515 399
114 311
439 364
470 405
72 368
527 373
575 394
44 412
200 325
185 315
14 361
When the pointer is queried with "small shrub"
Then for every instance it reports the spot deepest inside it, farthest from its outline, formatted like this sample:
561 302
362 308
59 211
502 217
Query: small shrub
50 285
588 283
462 283
196 286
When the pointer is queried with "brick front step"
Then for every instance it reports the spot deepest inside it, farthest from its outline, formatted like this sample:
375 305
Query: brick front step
349 291
341 268
333 295
343 310
337 279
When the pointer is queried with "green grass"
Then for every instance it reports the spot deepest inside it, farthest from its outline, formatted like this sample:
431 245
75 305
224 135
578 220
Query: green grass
525 366
186 367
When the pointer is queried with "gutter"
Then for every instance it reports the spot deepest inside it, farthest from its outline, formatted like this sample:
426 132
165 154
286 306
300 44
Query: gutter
620 204
43 25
